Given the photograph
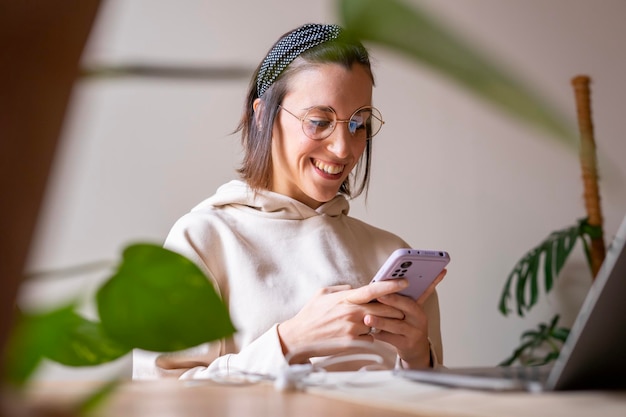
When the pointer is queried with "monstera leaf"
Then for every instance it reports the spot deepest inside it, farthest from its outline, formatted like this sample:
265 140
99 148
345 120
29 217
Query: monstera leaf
522 284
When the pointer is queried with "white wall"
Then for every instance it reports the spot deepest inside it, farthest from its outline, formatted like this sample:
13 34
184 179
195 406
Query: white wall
449 172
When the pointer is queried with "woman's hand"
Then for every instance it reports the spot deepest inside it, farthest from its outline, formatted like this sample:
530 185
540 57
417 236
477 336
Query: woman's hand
409 334
338 312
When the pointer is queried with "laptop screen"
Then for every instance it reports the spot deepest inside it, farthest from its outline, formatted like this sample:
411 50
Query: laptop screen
593 355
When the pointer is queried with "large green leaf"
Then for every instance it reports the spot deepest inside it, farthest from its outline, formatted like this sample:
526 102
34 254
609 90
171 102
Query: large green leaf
160 301
29 338
84 343
157 300
62 336
409 30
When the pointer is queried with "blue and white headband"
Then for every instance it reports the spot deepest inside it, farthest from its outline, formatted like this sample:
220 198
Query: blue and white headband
289 48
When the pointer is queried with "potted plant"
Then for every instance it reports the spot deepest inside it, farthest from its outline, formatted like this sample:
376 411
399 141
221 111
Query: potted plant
522 286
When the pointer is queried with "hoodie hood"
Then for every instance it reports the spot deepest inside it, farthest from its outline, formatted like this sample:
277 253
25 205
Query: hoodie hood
238 194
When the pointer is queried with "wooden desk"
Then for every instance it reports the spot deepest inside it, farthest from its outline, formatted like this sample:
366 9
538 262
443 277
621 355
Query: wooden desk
177 398
388 397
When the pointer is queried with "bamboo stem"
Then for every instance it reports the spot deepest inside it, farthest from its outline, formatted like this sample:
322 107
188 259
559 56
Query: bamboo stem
587 154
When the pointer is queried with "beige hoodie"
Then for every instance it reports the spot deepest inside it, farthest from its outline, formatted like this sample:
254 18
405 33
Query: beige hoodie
267 254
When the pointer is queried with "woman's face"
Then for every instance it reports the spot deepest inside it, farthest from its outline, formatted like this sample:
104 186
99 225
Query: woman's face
311 171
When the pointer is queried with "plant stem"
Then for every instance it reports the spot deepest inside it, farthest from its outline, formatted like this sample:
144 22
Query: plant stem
589 168
71 271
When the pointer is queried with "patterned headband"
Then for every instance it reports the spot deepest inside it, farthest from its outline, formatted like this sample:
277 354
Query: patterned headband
289 48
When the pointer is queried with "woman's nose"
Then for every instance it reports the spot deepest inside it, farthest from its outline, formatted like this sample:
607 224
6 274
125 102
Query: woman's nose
340 139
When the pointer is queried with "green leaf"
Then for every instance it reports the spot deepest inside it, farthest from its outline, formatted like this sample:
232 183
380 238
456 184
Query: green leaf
25 347
532 334
517 353
534 287
561 334
550 357
160 301
84 343
520 294
524 277
548 267
544 334
565 241
554 322
62 336
594 232
410 31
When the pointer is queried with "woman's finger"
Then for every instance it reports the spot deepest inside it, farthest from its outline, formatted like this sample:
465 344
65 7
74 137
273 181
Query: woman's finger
431 288
336 288
374 290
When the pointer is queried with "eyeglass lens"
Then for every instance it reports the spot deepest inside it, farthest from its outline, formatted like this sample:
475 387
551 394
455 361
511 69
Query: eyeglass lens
320 122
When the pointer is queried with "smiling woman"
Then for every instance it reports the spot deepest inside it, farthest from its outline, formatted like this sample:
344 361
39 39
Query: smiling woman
311 163
278 243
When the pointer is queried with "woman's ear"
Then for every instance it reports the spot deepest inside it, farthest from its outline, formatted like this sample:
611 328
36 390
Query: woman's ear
257 106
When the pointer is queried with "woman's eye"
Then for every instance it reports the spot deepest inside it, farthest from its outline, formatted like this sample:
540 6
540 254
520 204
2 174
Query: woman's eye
319 123
357 123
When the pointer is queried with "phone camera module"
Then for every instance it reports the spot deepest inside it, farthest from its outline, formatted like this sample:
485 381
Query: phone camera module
406 264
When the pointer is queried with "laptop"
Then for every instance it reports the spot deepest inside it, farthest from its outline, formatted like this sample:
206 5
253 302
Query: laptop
592 357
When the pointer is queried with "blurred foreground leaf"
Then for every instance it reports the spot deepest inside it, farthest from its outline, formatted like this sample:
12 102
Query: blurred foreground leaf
62 336
406 29
157 300
161 301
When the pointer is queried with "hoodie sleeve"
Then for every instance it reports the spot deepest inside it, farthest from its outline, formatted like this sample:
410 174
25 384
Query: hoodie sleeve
263 357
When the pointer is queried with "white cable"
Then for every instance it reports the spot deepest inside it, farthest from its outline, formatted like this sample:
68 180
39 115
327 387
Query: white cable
334 360
293 377
299 376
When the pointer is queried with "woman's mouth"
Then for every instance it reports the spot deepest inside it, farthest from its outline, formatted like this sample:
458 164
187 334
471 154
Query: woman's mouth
331 169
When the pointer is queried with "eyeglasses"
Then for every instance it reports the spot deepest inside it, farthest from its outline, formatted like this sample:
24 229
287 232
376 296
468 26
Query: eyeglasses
319 122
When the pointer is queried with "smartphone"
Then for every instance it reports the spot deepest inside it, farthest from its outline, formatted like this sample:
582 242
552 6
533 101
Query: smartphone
419 267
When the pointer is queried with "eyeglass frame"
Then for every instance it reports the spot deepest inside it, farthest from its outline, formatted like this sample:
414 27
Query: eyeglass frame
337 120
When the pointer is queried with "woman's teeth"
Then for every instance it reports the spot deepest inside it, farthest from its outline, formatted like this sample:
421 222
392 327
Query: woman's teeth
329 169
